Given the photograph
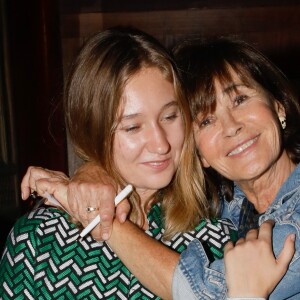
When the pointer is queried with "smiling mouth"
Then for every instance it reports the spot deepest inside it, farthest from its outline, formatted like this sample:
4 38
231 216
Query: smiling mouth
158 164
242 147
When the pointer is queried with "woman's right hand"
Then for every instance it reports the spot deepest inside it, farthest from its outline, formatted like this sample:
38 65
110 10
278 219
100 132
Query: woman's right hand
92 187
250 266
89 187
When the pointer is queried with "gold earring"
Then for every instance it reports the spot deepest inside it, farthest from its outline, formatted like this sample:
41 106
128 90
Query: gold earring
282 122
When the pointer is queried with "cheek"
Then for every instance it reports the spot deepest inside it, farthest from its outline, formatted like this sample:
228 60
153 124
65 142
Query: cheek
267 120
122 151
125 150
122 156
275 139
124 142
175 136
179 139
204 142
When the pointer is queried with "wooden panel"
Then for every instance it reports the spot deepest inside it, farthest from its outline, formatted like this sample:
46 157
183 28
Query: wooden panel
155 5
273 28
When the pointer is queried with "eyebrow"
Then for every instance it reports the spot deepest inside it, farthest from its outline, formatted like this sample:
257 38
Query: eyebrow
167 105
232 87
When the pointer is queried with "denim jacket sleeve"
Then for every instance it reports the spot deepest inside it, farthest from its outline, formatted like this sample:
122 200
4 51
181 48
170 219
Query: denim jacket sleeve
196 278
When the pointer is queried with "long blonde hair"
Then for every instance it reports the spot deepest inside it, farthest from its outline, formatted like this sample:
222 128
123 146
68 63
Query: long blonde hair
93 95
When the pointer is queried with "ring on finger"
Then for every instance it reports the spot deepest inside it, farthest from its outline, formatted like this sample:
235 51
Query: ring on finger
91 209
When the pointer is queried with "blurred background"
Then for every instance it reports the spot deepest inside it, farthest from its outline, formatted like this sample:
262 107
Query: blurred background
39 39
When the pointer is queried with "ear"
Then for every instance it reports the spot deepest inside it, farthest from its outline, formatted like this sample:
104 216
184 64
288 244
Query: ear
280 110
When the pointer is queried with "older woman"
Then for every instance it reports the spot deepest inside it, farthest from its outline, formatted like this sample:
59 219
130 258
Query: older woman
247 131
246 127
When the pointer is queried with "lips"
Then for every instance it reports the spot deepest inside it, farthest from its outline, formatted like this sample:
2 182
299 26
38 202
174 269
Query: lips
242 147
158 164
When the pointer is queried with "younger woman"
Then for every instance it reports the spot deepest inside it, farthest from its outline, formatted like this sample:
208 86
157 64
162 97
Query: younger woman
124 109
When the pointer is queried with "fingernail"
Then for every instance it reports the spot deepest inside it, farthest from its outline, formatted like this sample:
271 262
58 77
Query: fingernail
293 237
22 196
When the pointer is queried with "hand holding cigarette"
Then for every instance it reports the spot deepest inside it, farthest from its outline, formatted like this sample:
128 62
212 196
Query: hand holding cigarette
121 196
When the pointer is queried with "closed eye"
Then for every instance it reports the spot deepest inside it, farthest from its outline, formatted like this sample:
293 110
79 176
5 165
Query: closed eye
170 117
131 128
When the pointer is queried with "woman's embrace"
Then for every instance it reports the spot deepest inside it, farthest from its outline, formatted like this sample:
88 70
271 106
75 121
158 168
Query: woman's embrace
245 140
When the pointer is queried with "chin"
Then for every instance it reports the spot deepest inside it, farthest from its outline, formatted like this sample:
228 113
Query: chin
159 184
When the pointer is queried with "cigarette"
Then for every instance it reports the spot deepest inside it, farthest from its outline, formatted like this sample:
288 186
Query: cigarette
121 196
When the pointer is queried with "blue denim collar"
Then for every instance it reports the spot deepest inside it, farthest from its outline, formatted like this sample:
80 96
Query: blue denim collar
283 202
291 183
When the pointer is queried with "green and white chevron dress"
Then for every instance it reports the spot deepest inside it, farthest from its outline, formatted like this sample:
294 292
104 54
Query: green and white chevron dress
44 259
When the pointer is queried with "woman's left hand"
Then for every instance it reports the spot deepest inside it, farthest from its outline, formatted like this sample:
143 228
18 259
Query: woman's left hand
250 266
43 180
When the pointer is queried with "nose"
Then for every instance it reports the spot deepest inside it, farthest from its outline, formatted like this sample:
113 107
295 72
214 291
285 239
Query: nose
231 125
157 141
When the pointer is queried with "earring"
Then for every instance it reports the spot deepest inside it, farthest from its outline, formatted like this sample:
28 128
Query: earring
282 122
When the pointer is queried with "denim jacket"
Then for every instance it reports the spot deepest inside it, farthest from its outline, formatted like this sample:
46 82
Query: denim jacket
196 278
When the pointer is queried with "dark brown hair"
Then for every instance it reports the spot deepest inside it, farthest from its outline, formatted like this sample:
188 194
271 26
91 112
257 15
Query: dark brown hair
204 62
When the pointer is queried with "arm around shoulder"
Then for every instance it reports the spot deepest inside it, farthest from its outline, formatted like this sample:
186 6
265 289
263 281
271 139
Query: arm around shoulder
149 260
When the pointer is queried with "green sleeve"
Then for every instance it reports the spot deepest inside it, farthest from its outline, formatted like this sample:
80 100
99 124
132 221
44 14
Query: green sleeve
18 262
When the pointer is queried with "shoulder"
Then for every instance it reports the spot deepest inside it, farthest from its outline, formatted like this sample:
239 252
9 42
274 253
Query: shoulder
40 216
31 232
213 233
38 222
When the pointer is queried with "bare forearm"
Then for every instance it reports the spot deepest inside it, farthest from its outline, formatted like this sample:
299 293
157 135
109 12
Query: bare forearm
149 260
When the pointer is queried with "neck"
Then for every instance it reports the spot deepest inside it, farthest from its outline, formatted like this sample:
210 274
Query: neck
147 201
147 197
261 191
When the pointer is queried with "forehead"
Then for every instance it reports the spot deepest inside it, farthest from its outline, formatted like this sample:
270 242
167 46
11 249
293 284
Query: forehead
236 75
147 88
230 85
237 82
227 80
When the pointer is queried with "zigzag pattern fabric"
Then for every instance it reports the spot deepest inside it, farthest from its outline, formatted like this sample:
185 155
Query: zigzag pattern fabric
44 259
